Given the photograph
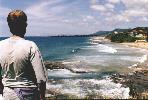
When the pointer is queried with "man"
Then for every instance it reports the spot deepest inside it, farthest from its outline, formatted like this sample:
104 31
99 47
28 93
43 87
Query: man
1 85
24 74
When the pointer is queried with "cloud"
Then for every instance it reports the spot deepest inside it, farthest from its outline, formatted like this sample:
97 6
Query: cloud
4 11
88 18
134 4
58 17
135 13
3 20
44 16
145 19
114 1
53 17
109 6
99 8
103 8
66 20
44 9
135 9
118 18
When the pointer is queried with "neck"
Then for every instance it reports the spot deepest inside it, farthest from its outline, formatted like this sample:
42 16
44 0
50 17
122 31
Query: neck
16 36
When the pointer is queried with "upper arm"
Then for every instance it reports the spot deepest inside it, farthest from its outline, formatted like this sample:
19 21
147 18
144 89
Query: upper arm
37 63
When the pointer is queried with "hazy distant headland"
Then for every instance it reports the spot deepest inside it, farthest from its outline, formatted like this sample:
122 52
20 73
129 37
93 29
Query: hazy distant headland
134 32
124 35
129 31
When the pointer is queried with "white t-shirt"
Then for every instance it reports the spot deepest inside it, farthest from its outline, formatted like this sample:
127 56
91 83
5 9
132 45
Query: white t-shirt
21 62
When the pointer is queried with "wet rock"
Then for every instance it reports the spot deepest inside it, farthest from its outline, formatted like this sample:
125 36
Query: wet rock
59 65
137 82
54 65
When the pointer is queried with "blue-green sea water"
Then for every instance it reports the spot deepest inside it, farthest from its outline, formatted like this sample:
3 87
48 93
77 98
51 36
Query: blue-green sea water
59 48
84 50
96 59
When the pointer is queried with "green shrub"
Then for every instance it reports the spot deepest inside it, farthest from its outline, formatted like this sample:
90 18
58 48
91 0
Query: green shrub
122 37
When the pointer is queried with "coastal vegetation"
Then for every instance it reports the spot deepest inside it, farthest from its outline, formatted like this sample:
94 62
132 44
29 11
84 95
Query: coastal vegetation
138 33
121 37
128 35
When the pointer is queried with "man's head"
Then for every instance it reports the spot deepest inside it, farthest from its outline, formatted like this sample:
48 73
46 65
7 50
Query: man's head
17 21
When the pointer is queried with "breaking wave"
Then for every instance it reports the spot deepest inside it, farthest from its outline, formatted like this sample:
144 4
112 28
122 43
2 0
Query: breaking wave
85 87
102 48
143 58
61 73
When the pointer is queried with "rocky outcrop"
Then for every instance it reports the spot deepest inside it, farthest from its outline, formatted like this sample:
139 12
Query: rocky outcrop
54 65
136 81
59 65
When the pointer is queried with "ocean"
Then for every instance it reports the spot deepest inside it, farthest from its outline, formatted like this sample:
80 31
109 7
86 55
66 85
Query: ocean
98 59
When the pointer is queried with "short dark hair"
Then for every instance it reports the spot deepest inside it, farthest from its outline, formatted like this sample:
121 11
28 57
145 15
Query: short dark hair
17 20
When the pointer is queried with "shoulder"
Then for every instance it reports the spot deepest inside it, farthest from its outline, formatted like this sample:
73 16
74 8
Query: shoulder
31 44
28 42
3 42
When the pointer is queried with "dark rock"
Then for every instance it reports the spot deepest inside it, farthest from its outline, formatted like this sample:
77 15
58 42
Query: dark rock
54 65
59 65
137 82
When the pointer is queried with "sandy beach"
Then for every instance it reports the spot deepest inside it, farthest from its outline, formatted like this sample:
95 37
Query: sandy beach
143 45
140 44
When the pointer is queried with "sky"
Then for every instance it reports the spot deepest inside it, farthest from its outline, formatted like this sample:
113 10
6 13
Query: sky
75 17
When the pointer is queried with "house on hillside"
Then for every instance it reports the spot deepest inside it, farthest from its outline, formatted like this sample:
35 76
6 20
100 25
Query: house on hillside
139 32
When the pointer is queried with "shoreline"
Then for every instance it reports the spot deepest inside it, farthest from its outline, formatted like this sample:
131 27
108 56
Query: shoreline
142 45
135 79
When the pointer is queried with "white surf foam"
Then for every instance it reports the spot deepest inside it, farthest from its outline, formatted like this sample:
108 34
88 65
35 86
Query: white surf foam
71 61
84 87
88 60
134 65
129 58
93 43
102 48
108 49
61 73
143 59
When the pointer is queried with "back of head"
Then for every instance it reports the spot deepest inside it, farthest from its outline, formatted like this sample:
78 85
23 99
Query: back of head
17 21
